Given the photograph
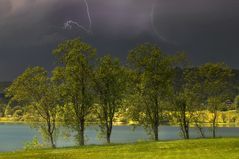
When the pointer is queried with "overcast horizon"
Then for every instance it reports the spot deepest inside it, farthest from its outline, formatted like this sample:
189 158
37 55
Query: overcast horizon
30 29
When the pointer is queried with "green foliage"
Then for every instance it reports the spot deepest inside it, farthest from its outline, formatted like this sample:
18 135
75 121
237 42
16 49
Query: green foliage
214 79
186 101
213 82
75 77
33 145
110 88
152 75
34 87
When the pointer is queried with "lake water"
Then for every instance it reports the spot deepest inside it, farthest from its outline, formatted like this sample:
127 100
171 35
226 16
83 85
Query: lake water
14 136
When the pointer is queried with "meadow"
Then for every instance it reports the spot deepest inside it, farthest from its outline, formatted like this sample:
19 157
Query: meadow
220 148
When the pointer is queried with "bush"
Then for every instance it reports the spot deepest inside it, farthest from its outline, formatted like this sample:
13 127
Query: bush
32 145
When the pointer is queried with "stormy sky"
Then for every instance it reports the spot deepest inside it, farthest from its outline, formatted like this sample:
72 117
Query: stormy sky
208 30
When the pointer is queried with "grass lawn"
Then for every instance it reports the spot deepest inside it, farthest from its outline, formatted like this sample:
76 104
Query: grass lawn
221 148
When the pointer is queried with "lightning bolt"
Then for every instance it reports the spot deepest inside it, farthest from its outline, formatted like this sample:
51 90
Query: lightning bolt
70 23
88 14
155 30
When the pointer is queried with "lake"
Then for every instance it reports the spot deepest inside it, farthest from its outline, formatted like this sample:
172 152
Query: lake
13 136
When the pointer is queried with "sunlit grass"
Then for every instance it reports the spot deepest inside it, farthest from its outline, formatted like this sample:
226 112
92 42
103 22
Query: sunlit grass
222 148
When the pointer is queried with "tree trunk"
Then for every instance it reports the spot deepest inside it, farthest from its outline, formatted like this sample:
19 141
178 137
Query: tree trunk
156 126
186 127
50 131
80 131
200 128
214 130
184 123
108 134
53 145
109 126
187 130
214 124
156 138
156 120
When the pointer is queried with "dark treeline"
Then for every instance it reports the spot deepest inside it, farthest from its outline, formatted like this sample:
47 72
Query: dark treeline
150 88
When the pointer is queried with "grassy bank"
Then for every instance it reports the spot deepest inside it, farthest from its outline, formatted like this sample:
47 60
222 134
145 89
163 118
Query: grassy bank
222 148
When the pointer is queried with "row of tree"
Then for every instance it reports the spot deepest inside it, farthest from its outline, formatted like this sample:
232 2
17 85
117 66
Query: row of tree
149 87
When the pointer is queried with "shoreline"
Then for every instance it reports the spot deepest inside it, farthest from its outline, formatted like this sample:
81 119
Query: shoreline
205 125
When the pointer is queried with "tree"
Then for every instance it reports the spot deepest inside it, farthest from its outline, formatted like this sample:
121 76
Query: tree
110 90
35 88
214 84
186 101
152 75
75 74
183 113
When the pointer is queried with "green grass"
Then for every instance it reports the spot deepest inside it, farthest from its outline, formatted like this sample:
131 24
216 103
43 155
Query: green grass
222 148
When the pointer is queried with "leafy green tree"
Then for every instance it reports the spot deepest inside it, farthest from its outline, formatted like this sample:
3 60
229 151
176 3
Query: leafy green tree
185 101
110 83
183 112
214 80
35 88
152 76
75 79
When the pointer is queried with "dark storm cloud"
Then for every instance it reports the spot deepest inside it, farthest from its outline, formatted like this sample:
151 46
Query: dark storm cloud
30 29
206 29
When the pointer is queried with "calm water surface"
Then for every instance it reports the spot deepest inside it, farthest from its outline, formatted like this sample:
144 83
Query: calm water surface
14 136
